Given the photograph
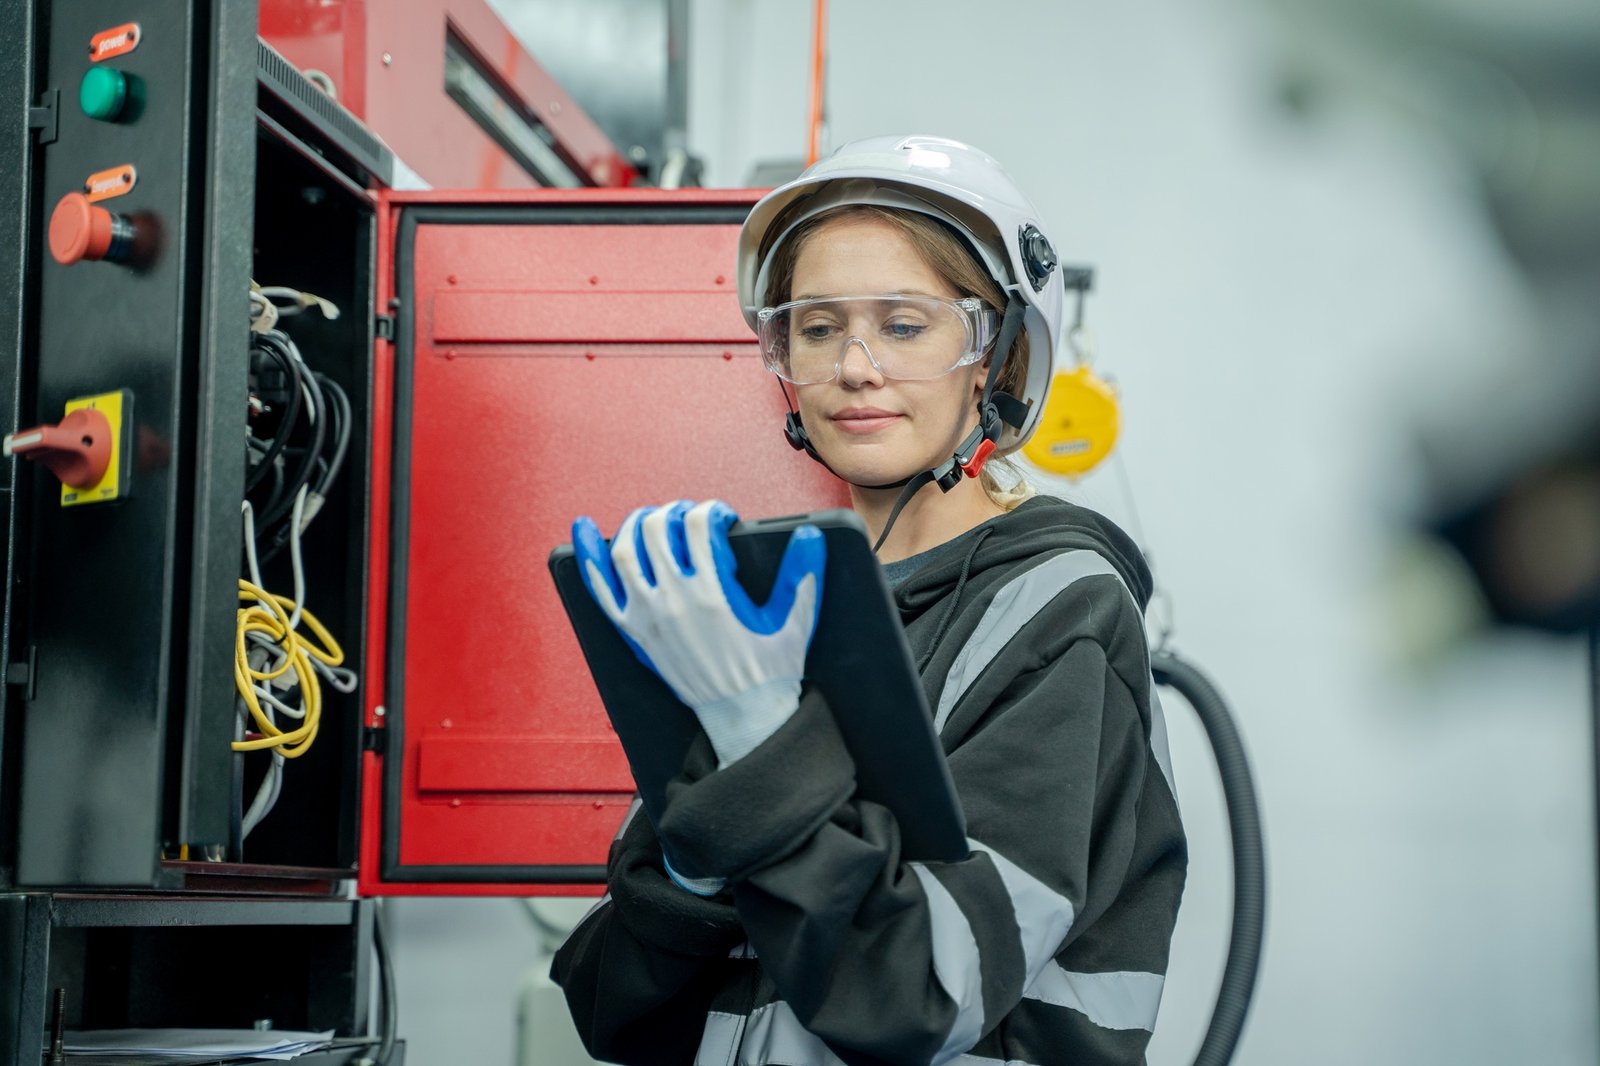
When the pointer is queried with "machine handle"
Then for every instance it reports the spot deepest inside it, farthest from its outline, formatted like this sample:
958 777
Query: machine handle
77 451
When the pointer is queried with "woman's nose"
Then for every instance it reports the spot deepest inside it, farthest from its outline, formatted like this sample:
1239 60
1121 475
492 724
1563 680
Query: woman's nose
856 367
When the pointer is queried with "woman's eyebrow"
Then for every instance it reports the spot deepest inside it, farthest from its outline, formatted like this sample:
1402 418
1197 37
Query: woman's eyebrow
862 295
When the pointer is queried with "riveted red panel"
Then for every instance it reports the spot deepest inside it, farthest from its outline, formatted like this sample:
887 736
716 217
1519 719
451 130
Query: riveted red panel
583 317
558 355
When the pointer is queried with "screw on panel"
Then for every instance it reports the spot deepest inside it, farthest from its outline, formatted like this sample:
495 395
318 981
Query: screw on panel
58 1029
387 59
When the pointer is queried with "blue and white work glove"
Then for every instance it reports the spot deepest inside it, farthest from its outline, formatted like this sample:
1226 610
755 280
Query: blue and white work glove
667 582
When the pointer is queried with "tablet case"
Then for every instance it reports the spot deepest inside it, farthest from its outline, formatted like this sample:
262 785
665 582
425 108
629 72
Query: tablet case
858 658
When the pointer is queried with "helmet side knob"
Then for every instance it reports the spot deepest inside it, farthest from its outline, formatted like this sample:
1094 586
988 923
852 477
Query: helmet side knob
1037 255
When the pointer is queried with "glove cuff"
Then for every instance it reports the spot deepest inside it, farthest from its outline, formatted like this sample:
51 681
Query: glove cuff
700 886
738 724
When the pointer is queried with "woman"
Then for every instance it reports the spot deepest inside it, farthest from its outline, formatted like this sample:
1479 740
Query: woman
903 290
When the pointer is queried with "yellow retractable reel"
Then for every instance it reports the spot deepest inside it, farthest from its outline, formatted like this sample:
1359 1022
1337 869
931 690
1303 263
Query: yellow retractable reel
1081 418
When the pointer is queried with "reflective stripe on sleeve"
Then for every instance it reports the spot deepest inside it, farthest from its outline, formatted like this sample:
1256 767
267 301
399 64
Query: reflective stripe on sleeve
719 1038
1012 607
1043 917
956 961
1118 1000
1158 741
774 1034
1043 914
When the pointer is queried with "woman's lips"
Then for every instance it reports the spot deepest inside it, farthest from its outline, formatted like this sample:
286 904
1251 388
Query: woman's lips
864 421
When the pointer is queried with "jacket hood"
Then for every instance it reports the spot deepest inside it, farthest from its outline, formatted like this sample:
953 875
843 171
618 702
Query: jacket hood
1040 523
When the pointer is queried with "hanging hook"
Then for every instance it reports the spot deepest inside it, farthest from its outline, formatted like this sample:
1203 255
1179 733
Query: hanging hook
1079 280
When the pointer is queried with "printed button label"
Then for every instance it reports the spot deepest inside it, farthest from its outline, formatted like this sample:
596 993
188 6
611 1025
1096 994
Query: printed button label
117 41
105 184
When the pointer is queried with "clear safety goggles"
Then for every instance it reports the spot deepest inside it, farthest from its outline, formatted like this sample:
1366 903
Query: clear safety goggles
909 338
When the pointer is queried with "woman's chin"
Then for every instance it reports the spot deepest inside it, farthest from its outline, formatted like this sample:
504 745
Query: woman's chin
860 468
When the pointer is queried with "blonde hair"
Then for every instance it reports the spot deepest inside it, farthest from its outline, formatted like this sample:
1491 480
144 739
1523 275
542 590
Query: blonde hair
946 253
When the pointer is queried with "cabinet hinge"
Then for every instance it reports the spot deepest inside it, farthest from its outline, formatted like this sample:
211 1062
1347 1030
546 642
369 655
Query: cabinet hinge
24 674
44 117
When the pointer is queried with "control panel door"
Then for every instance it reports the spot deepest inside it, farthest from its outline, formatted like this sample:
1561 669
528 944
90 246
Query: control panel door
553 354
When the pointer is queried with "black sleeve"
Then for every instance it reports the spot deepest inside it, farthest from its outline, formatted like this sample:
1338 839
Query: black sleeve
893 961
639 971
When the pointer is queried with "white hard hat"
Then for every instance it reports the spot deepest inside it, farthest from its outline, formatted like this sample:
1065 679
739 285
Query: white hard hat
947 180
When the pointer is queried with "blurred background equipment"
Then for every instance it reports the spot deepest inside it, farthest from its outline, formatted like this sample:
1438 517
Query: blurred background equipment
502 121
626 62
1512 460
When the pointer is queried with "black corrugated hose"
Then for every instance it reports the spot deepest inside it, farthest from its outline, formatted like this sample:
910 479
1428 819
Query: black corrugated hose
1249 858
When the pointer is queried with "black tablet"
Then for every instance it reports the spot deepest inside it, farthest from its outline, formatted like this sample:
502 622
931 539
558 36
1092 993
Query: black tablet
858 658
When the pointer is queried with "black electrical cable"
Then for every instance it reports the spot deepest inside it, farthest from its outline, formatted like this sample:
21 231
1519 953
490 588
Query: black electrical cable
341 420
276 493
302 475
285 424
386 984
1249 856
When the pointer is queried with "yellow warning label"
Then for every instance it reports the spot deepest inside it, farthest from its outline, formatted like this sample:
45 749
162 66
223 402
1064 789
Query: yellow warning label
109 487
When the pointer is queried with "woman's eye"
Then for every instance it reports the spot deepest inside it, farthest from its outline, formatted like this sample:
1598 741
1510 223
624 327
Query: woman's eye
818 331
904 331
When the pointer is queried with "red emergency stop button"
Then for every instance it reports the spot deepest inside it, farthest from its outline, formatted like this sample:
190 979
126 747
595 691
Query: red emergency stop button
81 230
77 451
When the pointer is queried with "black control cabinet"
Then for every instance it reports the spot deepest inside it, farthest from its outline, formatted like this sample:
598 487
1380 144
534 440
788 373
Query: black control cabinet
123 615
192 162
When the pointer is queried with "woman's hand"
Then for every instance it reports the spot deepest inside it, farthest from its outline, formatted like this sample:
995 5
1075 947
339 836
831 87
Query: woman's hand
667 582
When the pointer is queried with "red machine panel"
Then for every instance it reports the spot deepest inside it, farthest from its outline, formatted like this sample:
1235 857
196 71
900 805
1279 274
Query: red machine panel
556 354
386 61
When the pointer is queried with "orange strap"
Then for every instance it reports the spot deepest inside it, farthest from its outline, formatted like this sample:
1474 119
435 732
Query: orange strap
818 60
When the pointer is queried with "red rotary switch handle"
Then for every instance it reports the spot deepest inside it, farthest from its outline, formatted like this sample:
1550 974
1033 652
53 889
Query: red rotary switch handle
77 451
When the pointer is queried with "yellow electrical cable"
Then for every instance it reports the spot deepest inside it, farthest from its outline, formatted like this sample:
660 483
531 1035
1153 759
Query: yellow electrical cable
271 615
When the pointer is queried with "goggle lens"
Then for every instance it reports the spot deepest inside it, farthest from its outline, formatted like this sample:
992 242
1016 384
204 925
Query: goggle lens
909 338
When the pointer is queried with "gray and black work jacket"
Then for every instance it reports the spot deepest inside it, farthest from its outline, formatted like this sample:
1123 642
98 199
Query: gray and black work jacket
1047 945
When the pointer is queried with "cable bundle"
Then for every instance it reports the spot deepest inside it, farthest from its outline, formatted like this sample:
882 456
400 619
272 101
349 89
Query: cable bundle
305 444
305 422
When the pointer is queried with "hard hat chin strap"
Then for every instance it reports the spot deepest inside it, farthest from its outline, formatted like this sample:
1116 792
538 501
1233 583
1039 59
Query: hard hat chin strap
996 410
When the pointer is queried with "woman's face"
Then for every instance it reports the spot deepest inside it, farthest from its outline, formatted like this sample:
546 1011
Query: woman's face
871 429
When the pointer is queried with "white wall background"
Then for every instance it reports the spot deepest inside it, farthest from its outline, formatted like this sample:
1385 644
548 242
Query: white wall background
1274 300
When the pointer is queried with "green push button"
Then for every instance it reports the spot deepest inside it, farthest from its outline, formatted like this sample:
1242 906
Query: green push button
103 92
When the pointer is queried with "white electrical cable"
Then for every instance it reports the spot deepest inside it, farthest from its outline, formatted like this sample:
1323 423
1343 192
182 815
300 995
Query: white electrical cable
295 518
271 786
272 783
250 543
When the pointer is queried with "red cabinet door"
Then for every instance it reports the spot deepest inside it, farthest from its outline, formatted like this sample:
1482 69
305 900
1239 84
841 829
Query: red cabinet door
554 354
